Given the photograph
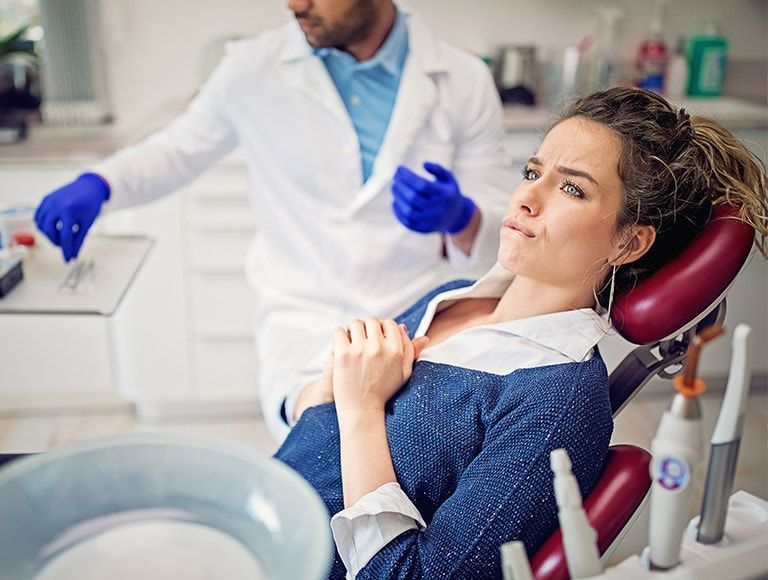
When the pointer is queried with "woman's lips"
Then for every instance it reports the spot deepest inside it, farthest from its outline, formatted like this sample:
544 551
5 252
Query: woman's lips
517 226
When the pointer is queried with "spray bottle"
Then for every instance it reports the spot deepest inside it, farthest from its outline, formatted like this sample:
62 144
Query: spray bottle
676 80
652 55
605 60
676 449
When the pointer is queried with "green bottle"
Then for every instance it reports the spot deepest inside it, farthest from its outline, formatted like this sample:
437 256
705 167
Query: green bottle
707 55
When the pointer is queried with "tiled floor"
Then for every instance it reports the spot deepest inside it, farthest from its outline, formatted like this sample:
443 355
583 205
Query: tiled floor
636 424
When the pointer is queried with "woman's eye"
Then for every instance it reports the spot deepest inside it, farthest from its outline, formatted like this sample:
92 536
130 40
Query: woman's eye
530 174
572 189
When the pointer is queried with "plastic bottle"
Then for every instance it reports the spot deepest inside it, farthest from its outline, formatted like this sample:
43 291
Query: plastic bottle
606 50
676 80
652 54
707 54
579 537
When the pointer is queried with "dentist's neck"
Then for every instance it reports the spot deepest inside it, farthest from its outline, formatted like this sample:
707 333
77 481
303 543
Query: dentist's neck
375 38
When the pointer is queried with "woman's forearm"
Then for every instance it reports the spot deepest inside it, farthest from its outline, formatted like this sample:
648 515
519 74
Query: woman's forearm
313 394
366 461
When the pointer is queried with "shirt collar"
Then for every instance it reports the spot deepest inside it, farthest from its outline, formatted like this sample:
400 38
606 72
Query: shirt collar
573 333
390 56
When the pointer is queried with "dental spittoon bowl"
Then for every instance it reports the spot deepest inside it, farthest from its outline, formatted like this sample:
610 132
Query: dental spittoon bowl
155 507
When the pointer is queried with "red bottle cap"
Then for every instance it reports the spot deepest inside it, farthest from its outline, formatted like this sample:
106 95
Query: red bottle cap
23 239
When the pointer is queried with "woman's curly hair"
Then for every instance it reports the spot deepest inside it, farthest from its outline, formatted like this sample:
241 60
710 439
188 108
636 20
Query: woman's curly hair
673 169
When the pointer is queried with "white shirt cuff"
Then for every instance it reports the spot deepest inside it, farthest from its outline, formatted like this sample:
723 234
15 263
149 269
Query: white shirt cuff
377 518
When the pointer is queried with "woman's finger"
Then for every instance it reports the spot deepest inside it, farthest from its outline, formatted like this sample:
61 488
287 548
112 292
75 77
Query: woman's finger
373 330
390 329
419 344
356 331
340 340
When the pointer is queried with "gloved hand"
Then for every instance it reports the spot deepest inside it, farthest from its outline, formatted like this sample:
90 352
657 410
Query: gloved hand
430 206
66 214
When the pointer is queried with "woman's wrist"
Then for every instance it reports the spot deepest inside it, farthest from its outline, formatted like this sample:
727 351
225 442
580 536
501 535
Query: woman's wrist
353 418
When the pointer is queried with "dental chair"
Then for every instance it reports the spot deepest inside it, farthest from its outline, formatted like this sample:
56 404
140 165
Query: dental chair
662 314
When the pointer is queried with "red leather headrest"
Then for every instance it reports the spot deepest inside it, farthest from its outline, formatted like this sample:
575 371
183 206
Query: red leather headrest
622 486
686 287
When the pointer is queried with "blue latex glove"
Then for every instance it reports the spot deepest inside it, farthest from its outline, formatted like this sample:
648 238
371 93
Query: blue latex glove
428 206
66 214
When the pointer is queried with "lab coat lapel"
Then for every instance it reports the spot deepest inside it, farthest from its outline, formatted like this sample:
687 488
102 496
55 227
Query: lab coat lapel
307 74
416 99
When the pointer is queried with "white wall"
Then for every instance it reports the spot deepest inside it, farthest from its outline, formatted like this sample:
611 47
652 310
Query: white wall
154 47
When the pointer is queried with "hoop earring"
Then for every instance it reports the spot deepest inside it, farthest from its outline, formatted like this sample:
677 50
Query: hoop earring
613 287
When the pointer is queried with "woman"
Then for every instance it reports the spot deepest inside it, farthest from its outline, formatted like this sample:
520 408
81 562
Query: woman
429 465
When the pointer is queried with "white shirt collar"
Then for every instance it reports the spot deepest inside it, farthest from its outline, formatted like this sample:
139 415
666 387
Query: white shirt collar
573 333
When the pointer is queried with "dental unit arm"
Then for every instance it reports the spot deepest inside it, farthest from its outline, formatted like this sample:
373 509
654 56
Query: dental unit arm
676 449
730 539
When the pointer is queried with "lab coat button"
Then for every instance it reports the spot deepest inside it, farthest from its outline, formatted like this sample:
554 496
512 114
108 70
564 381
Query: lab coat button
355 100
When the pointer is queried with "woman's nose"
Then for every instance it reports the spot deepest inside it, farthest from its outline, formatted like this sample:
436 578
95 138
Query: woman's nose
528 198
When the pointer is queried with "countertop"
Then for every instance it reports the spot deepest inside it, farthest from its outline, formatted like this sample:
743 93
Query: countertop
732 113
89 144
116 262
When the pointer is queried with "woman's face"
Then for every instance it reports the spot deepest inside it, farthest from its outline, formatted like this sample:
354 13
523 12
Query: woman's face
559 228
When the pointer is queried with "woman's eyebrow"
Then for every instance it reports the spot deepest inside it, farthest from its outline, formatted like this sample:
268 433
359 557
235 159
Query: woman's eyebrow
566 170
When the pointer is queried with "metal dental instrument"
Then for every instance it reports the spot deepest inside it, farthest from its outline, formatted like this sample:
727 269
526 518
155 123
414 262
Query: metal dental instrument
724 450
76 275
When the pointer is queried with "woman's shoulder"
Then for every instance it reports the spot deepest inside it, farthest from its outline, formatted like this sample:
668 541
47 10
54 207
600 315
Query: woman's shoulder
573 386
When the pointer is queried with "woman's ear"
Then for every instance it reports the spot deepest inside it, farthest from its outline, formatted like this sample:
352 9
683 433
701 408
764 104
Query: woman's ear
635 244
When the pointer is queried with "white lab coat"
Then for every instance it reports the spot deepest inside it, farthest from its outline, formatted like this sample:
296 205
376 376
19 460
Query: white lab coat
328 247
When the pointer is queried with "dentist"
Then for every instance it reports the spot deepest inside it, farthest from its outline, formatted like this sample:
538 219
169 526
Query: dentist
335 112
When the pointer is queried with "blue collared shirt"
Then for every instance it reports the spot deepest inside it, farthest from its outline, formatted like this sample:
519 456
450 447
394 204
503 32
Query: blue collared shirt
369 88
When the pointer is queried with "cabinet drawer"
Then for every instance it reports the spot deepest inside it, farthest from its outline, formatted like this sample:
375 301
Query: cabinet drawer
217 252
225 369
222 306
55 354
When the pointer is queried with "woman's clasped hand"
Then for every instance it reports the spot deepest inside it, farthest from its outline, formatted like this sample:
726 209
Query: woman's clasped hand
370 362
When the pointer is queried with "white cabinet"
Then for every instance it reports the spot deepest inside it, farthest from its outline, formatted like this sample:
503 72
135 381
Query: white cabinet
217 226
186 341
65 345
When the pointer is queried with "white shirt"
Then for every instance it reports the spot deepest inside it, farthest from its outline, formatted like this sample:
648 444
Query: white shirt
363 529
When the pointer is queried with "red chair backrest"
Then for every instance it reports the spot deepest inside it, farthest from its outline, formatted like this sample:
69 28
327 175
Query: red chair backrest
620 490
689 285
